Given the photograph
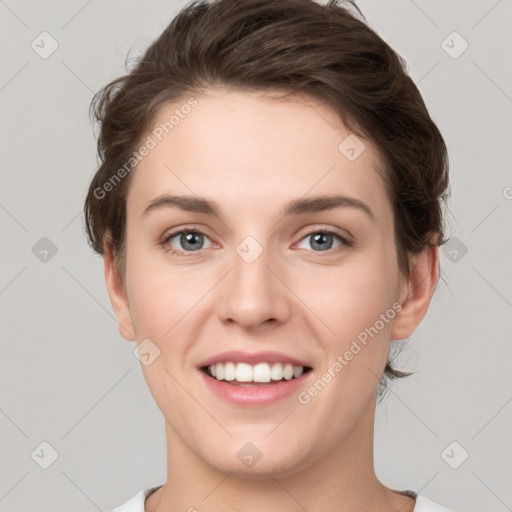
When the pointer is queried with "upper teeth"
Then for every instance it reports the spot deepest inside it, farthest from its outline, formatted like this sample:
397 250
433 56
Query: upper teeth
261 372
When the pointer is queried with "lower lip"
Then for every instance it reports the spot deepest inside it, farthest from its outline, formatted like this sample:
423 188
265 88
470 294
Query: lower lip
257 395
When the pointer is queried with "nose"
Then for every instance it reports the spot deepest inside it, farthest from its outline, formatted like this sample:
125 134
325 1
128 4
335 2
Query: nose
253 293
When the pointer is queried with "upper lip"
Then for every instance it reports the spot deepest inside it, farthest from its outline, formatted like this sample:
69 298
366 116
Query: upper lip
238 356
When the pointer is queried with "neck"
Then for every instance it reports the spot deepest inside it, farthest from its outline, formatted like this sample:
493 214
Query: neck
342 479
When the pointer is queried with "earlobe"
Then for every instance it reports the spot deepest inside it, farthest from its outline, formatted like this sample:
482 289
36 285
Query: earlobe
117 294
418 292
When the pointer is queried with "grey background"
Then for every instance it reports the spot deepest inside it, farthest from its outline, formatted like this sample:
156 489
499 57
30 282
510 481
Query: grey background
68 378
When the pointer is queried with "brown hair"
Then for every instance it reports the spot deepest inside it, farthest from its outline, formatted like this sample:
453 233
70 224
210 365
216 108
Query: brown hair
323 51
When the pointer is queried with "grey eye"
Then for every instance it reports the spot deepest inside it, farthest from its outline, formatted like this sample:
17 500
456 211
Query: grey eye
321 240
188 240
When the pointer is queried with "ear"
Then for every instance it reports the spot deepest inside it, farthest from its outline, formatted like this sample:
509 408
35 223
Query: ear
417 292
117 294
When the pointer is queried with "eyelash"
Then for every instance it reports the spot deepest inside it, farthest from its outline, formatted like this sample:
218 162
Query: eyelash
174 252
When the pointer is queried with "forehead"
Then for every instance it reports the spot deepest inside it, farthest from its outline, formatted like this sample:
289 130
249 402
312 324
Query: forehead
233 145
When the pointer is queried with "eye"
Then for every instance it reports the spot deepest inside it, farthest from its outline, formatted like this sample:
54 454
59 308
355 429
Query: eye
322 240
190 240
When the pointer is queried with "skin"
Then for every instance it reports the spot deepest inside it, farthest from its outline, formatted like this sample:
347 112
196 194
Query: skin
252 153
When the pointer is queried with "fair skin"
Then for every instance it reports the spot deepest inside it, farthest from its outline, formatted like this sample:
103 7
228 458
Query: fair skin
252 154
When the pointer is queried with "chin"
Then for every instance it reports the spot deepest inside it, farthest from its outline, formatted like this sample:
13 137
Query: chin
276 465
254 457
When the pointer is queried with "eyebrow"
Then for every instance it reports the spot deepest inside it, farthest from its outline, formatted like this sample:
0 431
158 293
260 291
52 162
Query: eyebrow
300 206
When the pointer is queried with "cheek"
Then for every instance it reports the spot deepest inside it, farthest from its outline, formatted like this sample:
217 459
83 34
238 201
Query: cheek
162 309
160 297
358 310
348 299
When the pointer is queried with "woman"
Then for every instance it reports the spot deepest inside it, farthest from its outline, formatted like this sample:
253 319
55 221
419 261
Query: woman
269 212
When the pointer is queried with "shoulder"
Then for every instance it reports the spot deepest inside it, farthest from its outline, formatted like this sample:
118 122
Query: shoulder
425 505
136 503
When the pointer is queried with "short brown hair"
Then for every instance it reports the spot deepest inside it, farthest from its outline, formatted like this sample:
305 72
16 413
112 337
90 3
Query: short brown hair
323 51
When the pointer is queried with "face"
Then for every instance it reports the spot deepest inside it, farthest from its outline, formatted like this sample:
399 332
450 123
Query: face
315 284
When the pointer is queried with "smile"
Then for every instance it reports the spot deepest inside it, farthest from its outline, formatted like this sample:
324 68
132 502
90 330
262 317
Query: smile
254 385
258 373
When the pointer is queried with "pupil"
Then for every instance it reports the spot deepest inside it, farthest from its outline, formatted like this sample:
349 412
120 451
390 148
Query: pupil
321 239
189 239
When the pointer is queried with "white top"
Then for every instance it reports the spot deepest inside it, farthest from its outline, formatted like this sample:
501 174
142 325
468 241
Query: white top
136 504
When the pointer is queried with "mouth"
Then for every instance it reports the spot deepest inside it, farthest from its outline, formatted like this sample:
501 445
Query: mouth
261 374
